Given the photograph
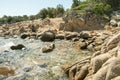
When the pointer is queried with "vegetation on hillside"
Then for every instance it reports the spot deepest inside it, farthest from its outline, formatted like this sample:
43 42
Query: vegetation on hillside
80 6
44 13
95 6
51 12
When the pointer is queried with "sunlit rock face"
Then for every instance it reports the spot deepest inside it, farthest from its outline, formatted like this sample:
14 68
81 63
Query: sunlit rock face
26 29
115 19
87 21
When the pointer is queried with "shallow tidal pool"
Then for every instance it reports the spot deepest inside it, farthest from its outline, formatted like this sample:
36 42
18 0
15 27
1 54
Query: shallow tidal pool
32 64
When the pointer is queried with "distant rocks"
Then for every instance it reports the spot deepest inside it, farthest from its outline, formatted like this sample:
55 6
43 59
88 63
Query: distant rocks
87 21
23 28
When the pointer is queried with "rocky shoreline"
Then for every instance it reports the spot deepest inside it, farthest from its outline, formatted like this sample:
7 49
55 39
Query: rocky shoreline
53 48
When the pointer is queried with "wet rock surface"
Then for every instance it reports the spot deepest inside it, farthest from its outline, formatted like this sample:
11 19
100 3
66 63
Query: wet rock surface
5 71
48 48
18 47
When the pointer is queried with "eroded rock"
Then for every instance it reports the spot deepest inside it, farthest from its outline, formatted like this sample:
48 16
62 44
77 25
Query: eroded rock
113 69
98 61
82 73
87 21
101 74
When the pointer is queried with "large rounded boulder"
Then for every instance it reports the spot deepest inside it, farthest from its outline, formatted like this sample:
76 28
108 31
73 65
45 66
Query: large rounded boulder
48 36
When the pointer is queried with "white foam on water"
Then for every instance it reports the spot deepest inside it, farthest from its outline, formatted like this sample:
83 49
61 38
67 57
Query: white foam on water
6 47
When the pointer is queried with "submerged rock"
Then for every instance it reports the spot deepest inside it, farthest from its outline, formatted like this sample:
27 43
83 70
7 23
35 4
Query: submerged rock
48 48
6 71
18 47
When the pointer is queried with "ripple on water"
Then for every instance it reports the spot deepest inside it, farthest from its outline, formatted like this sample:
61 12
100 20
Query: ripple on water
36 64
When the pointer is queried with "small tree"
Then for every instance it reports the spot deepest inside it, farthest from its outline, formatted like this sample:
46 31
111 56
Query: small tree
75 3
113 3
100 8
43 13
32 17
25 17
51 12
9 19
59 10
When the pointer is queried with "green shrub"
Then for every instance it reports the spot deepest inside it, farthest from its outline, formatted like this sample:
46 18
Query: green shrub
81 6
51 12
43 13
75 3
100 8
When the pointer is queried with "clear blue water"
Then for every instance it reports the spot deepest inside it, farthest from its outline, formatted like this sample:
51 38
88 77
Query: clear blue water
41 66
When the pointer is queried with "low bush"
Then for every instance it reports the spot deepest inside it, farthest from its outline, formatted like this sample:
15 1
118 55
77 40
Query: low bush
100 8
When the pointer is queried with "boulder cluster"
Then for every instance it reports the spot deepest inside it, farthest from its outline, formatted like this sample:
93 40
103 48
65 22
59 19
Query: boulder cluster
29 28
104 64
